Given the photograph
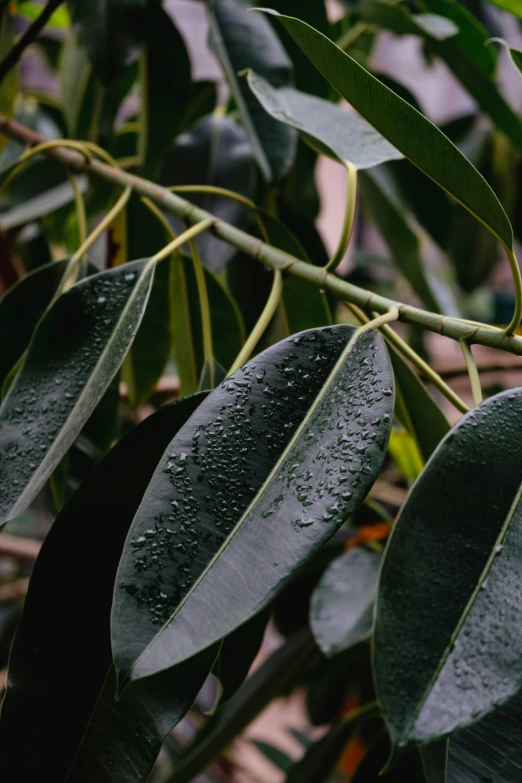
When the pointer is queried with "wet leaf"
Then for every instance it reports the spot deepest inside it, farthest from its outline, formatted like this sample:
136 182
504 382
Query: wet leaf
75 352
455 545
327 128
341 614
274 461
22 307
246 40
405 128
101 740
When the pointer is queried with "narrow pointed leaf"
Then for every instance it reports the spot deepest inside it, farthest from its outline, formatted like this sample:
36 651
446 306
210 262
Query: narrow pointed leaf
234 497
40 206
332 131
341 612
416 408
397 18
112 31
246 40
22 307
75 352
455 545
435 761
404 127
66 631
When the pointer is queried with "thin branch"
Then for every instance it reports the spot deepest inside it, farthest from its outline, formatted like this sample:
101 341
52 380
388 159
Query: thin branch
272 256
30 35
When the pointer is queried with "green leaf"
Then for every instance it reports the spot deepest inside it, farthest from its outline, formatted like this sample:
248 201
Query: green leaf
306 76
341 613
435 761
280 759
22 307
215 152
238 653
305 306
170 103
397 18
75 73
405 128
488 750
59 19
455 545
515 55
402 241
247 40
327 128
66 631
513 6
246 462
472 35
278 673
112 31
228 331
75 352
40 206
416 408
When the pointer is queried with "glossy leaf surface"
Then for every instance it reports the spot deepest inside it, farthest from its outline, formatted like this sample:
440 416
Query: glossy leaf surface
455 545
233 495
246 40
100 740
21 308
342 136
341 613
73 356
404 127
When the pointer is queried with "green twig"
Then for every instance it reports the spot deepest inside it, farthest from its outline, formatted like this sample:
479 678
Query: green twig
262 323
271 256
349 215
206 323
471 367
517 282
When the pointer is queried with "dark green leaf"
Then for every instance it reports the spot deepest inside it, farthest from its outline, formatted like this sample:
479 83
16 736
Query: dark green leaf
512 6
65 630
247 40
75 80
21 308
455 545
416 408
246 462
75 352
435 761
40 205
396 17
411 133
112 32
237 654
328 129
281 760
170 103
305 307
402 241
278 673
215 152
228 333
341 613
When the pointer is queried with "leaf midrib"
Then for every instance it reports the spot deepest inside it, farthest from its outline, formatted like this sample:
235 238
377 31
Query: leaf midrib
43 464
467 609
328 383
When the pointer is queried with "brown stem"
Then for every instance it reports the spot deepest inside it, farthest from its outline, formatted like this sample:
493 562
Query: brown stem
30 35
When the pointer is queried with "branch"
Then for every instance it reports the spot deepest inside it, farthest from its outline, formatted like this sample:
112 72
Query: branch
270 256
30 35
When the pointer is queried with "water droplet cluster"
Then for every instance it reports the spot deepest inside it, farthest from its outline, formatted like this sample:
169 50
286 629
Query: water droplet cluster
59 369
220 460
444 551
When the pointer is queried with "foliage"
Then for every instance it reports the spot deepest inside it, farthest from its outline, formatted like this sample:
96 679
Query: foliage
215 432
